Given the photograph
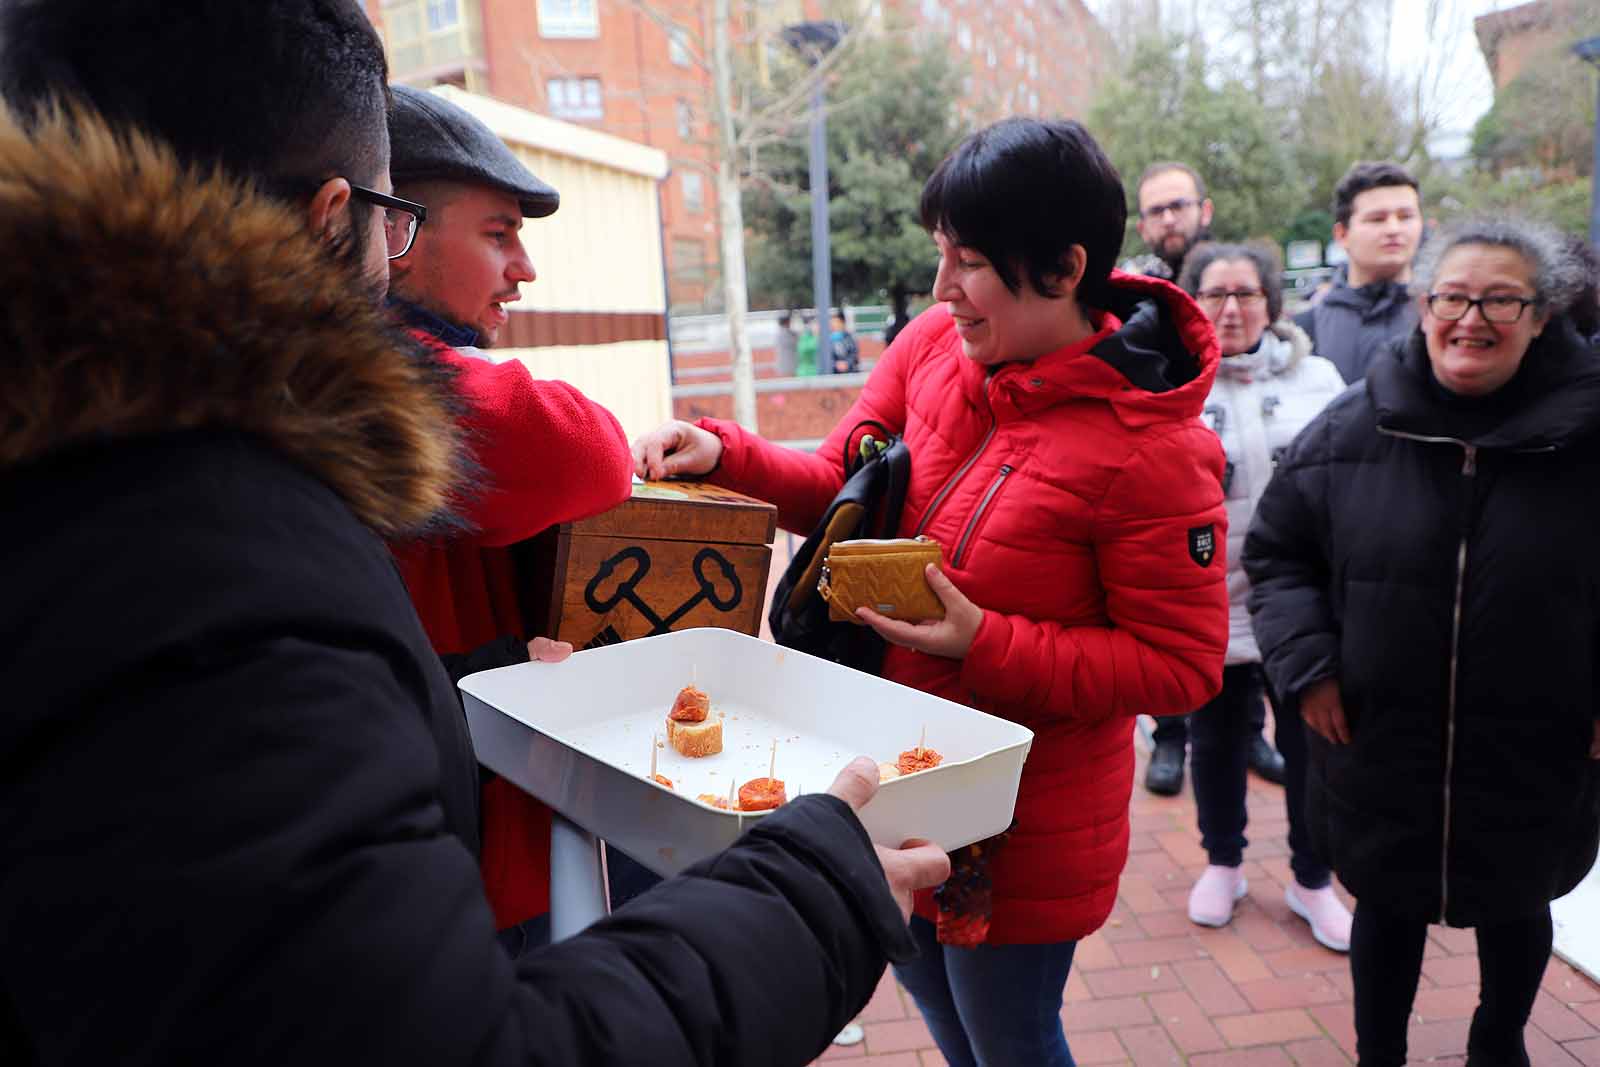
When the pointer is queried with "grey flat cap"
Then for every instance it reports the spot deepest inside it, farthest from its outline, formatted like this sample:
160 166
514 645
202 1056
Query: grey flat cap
432 139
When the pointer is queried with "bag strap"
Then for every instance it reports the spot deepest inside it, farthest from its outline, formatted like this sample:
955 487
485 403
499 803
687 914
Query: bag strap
854 457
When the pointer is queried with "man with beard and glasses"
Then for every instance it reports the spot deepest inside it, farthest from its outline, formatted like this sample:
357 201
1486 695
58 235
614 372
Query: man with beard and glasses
1174 216
546 453
239 812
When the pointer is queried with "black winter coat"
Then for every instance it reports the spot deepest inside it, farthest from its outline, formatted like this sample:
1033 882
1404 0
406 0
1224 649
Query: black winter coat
1444 566
1351 326
237 795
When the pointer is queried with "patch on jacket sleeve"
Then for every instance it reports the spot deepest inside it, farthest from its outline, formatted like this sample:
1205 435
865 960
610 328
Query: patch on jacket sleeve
1203 543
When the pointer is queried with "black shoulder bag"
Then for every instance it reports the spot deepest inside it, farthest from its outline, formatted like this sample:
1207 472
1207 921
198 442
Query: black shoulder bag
877 470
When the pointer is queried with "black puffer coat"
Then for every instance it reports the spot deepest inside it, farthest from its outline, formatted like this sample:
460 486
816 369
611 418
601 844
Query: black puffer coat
1443 563
238 804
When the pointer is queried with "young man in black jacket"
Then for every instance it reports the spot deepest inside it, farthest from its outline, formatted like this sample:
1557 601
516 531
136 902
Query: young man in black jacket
241 827
1377 211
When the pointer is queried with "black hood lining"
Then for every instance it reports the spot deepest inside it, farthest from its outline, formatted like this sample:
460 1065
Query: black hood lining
1149 350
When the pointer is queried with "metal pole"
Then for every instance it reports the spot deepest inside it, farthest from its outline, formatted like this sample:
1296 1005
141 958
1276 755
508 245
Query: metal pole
1594 179
821 253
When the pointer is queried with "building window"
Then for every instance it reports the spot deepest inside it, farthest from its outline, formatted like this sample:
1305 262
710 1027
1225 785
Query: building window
688 260
964 37
575 98
685 120
694 191
678 46
443 15
993 56
569 18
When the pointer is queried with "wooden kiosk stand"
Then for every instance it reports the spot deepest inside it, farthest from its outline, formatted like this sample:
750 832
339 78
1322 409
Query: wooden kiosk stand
675 555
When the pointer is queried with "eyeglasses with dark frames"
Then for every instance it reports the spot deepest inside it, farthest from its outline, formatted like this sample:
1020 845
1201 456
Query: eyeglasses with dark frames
1213 300
400 218
1496 307
1172 207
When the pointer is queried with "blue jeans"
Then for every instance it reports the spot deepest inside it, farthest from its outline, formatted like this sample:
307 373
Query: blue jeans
994 1005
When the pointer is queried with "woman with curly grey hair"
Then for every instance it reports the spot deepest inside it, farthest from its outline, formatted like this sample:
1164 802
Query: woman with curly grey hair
1426 590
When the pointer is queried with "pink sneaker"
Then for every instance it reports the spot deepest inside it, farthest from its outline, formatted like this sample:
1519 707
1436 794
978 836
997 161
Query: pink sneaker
1212 898
1322 908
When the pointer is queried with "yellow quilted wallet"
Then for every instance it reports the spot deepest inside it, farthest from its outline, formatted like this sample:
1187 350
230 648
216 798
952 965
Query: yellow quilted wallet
884 575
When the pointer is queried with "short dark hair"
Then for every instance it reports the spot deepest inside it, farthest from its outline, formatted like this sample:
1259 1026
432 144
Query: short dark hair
1021 193
1363 176
1265 262
279 91
1167 166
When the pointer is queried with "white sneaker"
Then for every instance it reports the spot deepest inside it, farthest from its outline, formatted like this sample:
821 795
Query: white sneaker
1214 894
1322 908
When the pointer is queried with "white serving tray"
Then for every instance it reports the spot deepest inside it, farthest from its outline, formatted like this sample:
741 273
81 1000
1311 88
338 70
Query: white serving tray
577 736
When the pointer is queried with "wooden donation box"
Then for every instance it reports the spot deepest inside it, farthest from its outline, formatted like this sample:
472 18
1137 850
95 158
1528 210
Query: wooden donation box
673 556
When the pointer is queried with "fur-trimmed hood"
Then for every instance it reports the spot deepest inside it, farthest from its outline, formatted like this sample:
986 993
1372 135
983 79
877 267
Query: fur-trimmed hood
142 297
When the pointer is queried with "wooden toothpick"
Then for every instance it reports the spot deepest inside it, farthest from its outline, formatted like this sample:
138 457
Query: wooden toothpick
652 755
772 764
922 742
733 785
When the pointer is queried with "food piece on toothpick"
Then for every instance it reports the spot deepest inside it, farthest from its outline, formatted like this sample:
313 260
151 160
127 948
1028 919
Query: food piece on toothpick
761 794
715 801
691 705
886 771
696 739
921 758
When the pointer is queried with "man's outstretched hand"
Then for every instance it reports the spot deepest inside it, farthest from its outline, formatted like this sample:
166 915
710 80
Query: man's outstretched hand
915 864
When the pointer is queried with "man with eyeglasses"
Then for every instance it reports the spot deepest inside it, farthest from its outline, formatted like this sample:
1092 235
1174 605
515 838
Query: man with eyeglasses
547 453
1377 212
239 813
1174 216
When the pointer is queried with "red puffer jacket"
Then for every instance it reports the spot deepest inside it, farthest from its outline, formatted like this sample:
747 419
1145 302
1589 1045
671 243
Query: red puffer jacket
1079 502
548 455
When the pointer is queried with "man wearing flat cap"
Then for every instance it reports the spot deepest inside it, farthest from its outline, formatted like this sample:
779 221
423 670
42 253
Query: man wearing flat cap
547 454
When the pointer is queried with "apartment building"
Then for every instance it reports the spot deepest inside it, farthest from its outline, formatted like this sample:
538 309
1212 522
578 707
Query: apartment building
636 69
629 69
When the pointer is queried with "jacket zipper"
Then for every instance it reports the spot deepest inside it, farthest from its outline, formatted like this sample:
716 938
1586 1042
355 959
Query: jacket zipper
983 505
944 490
1469 471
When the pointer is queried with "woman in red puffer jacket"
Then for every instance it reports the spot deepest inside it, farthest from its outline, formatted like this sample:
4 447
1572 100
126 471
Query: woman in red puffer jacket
1051 408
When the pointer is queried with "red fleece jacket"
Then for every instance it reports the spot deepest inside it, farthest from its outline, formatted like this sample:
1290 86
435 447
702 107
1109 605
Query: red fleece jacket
548 454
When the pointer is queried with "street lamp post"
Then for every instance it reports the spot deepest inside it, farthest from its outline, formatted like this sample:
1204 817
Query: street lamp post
813 40
1588 50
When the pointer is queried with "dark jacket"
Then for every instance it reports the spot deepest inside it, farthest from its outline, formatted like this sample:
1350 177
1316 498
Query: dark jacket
1437 557
1351 326
237 796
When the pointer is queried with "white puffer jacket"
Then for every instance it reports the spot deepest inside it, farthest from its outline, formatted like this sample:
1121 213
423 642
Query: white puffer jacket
1260 401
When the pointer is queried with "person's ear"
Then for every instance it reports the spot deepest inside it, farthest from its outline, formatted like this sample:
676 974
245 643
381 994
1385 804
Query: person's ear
1540 320
330 205
1339 232
1205 212
1074 262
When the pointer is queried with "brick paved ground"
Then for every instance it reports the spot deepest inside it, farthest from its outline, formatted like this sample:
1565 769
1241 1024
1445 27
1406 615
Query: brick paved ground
1151 988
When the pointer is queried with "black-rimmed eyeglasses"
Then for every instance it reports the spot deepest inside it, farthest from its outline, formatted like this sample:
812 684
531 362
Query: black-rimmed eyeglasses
1496 307
400 218
1171 207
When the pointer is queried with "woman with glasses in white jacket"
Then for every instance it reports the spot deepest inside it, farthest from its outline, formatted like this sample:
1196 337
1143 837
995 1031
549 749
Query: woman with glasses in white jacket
1268 387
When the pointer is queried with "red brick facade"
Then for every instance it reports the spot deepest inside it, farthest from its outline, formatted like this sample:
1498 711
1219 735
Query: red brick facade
643 95
613 65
